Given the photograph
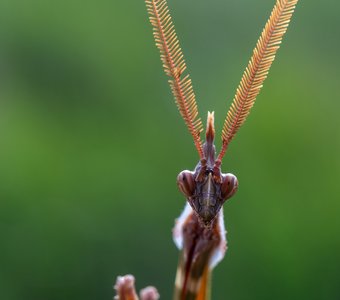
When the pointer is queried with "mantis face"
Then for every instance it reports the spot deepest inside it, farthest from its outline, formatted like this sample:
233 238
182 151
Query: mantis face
206 193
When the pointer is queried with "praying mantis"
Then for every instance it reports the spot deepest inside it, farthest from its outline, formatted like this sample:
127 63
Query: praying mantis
199 232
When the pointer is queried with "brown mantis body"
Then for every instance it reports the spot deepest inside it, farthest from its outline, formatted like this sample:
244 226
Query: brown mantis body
199 232
200 229
207 188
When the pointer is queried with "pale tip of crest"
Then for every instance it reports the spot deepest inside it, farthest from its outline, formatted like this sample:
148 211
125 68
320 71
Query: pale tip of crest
210 131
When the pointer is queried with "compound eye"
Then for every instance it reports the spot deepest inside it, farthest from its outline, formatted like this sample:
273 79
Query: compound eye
229 185
186 183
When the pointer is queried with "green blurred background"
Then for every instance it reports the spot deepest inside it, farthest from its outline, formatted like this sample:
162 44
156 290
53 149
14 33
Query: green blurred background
91 144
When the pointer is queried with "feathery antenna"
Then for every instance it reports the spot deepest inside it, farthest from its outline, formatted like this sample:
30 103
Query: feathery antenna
257 70
174 66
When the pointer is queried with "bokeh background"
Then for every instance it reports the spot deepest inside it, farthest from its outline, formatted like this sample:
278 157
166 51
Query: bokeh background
91 144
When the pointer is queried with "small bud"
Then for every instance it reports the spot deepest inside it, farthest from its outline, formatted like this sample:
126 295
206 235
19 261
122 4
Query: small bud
149 293
125 288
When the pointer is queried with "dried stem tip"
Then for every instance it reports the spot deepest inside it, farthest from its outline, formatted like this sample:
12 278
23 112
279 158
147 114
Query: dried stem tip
149 293
125 288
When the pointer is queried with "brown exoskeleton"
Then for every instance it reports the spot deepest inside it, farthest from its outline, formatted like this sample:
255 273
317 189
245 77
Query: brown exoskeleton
207 188
199 232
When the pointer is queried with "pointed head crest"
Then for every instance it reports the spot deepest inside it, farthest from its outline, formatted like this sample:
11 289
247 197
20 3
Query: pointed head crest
210 132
